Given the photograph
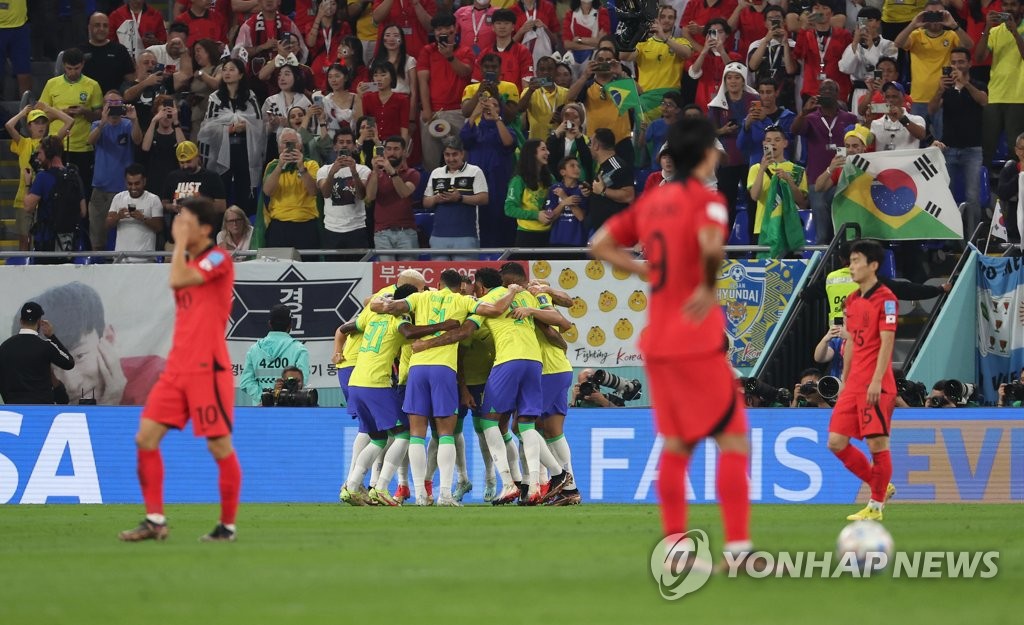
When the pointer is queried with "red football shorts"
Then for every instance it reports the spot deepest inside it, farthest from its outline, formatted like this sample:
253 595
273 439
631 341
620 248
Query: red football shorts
853 417
696 398
207 399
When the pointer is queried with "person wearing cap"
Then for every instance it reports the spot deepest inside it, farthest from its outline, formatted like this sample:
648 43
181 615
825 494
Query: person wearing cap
25 147
663 175
730 111
190 180
930 45
856 141
708 68
26 358
269 356
897 129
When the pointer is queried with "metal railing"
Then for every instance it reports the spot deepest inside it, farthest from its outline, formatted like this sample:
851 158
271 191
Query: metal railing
366 255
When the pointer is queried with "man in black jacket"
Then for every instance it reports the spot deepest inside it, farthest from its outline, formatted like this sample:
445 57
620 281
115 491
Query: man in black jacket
25 360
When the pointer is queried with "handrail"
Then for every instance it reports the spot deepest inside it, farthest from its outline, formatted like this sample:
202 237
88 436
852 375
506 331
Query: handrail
908 361
367 254
780 334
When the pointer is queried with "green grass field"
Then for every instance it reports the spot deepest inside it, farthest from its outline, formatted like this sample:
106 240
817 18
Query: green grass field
312 564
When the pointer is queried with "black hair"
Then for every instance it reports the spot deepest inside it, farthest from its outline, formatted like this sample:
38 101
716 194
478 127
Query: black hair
451 279
356 46
204 211
489 277
345 129
887 59
823 3
605 137
534 174
346 74
73 56
689 140
444 18
387 68
574 5
514 270
501 15
405 291
961 50
490 56
135 169
565 161
381 53
676 98
295 369
396 139
242 96
940 386
768 82
691 107
721 22
869 13
359 122
298 79
870 249
774 8
178 27
810 371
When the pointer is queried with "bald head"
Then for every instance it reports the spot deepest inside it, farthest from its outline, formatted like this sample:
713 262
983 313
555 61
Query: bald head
99 29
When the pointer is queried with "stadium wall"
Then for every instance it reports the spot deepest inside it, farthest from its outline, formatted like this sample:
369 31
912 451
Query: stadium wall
59 454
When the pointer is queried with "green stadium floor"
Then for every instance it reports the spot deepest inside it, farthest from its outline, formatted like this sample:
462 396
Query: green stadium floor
309 564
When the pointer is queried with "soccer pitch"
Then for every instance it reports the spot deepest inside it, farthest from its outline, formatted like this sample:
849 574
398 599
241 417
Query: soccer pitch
589 564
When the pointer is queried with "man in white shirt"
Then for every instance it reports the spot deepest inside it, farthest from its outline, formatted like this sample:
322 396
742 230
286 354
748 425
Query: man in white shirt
897 129
137 214
343 193
862 56
455 191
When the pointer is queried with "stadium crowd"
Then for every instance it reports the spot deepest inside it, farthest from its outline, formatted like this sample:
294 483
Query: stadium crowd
495 123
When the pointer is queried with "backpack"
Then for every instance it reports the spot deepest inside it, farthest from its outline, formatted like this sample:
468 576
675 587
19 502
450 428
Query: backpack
59 213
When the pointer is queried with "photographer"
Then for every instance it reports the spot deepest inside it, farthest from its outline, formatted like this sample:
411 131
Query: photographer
290 376
1011 394
758 394
274 351
586 394
805 393
938 398
288 391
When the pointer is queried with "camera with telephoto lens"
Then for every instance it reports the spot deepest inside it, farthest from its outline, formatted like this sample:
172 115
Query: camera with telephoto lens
828 388
1014 391
628 390
289 395
767 395
913 393
959 392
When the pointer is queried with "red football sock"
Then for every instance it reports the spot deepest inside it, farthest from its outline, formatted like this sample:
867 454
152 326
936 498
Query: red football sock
230 486
881 474
151 479
734 495
672 491
855 460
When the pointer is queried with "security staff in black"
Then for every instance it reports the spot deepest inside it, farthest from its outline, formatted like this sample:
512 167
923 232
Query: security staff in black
26 357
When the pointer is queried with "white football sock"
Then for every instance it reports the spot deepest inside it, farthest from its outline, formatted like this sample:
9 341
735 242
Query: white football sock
488 461
446 462
393 458
418 466
547 459
365 460
431 458
375 472
512 457
560 448
403 470
496 446
361 441
532 442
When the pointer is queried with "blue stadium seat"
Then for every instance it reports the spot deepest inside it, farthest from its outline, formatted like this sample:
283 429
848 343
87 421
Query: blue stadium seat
424 226
984 192
18 260
888 268
739 234
810 236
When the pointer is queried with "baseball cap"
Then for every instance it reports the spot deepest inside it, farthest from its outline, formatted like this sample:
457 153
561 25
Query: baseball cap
895 85
36 114
31 312
186 151
280 315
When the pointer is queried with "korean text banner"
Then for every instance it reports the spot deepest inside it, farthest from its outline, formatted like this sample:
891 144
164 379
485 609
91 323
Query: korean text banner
87 455
1000 322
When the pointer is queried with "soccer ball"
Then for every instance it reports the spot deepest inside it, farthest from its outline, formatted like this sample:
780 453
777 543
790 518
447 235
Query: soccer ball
866 540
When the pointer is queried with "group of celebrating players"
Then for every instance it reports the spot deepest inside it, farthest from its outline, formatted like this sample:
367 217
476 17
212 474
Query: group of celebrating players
492 346
500 353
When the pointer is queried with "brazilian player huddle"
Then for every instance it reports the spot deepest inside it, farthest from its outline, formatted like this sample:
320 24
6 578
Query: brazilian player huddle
490 346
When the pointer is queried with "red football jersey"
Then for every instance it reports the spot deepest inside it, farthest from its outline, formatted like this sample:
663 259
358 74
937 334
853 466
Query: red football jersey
666 221
201 318
867 316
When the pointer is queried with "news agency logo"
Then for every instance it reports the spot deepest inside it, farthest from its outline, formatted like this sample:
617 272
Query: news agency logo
681 564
